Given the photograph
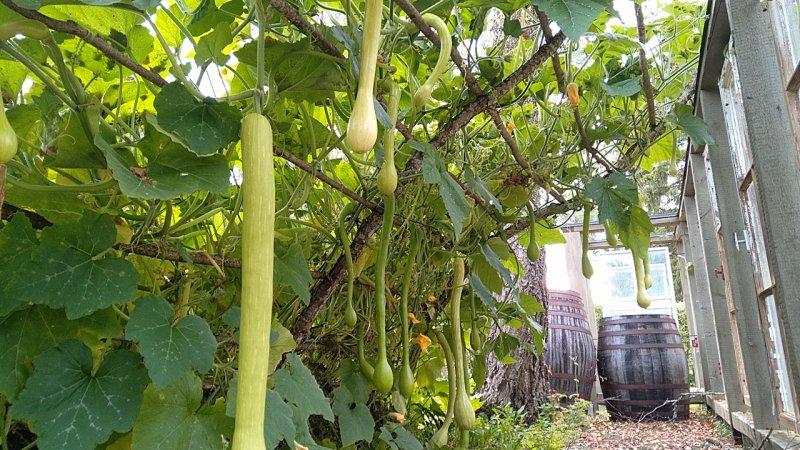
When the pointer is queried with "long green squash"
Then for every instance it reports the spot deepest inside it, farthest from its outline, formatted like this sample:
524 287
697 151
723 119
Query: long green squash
362 128
257 266
387 178
641 290
8 139
464 414
383 378
406 381
439 438
424 92
586 265
350 316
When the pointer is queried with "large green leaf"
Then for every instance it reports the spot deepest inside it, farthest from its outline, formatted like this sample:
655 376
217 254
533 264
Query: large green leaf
204 126
174 172
693 126
72 148
625 88
170 347
434 171
291 269
355 421
491 257
73 405
573 17
280 341
658 151
636 236
211 45
507 6
297 71
278 424
483 292
480 187
295 383
398 438
27 333
172 418
57 207
69 269
17 241
546 235
613 195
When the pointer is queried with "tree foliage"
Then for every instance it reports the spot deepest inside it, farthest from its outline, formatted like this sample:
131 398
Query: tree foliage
122 208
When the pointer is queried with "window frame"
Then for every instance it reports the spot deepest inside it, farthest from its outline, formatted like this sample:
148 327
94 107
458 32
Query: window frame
753 234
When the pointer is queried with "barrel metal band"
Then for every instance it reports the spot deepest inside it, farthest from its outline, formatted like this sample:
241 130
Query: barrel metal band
569 376
643 387
575 305
638 332
637 346
665 403
637 320
558 326
568 314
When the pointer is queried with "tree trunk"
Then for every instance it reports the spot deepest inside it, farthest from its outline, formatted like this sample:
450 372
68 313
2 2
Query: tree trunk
523 384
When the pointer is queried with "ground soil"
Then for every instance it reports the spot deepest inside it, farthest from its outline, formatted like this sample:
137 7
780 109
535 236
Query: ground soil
701 431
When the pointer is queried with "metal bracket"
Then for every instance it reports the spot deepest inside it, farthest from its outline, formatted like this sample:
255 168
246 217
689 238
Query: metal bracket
745 240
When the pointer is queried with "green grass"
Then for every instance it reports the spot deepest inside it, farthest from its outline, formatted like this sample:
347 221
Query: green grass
556 427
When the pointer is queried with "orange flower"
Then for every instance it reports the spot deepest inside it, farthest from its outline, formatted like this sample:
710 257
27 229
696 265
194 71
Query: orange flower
511 127
572 94
423 342
430 298
397 417
413 319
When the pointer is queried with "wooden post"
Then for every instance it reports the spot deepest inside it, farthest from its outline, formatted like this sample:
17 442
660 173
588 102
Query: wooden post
775 162
699 356
701 293
738 273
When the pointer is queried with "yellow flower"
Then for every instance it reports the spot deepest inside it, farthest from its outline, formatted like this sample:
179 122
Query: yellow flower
430 298
511 127
413 319
423 342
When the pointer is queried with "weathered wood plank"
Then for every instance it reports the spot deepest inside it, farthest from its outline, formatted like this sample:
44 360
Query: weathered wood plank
738 271
697 356
700 355
775 162
696 211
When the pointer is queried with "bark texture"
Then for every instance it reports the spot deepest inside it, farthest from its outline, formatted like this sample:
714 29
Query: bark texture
523 384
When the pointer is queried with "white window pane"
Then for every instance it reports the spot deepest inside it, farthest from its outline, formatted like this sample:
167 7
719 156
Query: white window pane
758 246
786 22
733 109
779 356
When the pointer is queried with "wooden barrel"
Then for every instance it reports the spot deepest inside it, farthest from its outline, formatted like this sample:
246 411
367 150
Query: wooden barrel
642 366
570 354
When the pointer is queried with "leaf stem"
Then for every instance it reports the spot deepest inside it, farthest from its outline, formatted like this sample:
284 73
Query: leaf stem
259 90
54 187
177 69
34 68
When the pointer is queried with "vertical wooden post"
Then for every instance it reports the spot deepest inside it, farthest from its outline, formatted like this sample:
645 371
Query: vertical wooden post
775 162
706 227
690 301
701 292
738 274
